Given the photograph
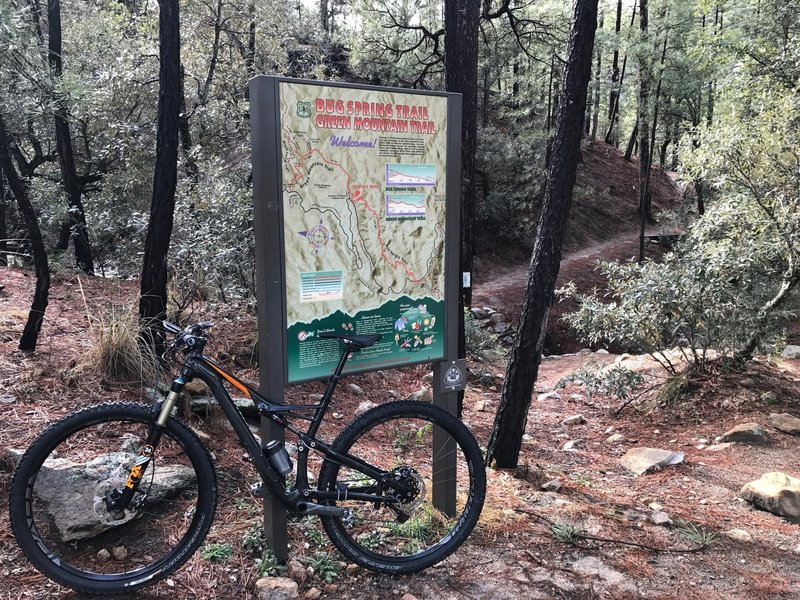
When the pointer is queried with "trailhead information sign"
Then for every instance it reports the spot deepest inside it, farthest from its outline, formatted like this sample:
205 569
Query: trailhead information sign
363 174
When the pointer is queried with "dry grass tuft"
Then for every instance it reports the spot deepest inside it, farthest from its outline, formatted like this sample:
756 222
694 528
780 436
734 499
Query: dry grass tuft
119 353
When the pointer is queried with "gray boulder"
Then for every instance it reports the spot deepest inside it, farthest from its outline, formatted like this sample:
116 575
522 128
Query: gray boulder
746 433
73 493
791 352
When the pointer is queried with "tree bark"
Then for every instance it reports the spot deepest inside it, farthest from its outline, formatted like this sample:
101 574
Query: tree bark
462 18
612 135
632 141
509 425
644 127
66 157
3 223
153 301
30 334
612 96
461 23
596 103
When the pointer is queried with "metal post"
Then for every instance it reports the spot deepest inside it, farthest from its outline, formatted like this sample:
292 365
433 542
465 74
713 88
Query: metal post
269 276
444 456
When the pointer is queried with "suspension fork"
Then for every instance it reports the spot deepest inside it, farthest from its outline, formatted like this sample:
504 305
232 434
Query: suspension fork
118 501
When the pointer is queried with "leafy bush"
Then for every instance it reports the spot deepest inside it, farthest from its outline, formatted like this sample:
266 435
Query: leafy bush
616 381
482 344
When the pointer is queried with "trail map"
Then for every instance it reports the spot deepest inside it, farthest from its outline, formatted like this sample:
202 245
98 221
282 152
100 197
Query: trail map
363 175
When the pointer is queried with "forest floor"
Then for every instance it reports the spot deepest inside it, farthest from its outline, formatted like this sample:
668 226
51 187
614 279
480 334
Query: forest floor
618 551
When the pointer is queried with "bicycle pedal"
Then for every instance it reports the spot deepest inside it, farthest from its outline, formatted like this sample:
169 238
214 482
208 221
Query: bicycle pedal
257 489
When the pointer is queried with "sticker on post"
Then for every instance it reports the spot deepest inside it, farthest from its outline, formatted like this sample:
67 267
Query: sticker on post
454 378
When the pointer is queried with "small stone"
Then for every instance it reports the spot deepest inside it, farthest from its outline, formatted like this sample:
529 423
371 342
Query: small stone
747 433
740 535
660 518
393 394
748 382
704 501
500 327
786 423
428 377
364 407
718 447
497 317
616 438
548 396
574 420
103 555
554 485
276 588
797 550
352 569
571 445
354 389
408 597
601 351
331 588
655 507
201 434
703 441
296 571
313 594
479 313
7 399
646 460
120 552
423 395
480 405
528 438
609 430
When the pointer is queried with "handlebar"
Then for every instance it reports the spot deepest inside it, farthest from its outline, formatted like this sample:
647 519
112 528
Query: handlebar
193 337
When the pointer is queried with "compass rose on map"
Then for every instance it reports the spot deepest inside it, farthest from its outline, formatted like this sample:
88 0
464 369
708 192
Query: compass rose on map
318 236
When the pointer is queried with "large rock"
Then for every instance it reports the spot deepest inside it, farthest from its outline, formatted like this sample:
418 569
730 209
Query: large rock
791 352
786 423
775 492
746 433
70 491
645 460
276 588
201 406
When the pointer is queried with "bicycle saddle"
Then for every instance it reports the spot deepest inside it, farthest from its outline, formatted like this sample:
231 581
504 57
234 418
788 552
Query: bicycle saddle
363 341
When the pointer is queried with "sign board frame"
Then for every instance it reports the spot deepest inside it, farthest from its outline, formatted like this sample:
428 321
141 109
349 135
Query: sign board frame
268 197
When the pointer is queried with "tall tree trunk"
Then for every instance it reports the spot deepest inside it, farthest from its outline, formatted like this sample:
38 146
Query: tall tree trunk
30 334
66 157
461 23
523 366
612 135
612 96
3 222
632 141
185 131
153 301
644 127
462 18
596 103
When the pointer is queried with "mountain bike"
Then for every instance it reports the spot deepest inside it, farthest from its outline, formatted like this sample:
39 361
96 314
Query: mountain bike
117 496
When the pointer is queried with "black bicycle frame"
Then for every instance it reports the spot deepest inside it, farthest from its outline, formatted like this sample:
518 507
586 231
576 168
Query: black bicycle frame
297 498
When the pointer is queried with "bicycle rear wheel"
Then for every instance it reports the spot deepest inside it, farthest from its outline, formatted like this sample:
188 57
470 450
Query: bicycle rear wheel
59 513
408 440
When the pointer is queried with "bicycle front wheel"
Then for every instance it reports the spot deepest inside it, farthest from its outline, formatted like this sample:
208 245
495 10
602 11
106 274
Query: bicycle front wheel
60 517
420 446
